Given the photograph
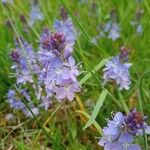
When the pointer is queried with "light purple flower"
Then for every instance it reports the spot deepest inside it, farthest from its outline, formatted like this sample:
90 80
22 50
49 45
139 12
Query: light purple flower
24 64
51 72
107 26
45 57
35 14
126 140
120 131
73 69
66 27
67 90
46 102
28 113
139 29
15 102
57 72
114 32
117 69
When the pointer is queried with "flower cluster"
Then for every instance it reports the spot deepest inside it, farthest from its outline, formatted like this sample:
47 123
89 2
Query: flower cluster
113 30
24 61
117 69
120 132
15 101
51 72
59 69
110 30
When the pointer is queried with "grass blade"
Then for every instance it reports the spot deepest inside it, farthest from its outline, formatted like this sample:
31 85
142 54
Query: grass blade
89 75
96 108
96 125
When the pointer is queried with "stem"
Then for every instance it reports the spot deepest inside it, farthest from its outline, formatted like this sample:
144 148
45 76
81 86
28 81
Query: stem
124 105
89 75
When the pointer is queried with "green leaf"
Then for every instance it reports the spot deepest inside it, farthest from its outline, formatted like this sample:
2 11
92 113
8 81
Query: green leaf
96 108
20 145
96 125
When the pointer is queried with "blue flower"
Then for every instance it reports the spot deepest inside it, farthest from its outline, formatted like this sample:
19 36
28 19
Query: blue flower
139 29
126 140
52 68
114 32
66 27
16 103
35 14
120 132
58 68
24 61
117 69
57 72
66 90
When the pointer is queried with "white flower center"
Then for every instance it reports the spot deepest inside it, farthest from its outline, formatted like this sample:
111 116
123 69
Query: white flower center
58 71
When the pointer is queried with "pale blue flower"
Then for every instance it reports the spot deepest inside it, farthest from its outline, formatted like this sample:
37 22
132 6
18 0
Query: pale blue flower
16 102
119 134
118 72
114 32
35 15
67 90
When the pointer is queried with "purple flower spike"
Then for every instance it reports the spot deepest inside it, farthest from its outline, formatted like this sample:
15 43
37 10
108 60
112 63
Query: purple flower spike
51 73
66 27
16 103
24 61
59 70
135 121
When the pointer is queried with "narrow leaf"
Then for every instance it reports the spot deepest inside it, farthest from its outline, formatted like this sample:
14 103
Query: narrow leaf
96 108
96 125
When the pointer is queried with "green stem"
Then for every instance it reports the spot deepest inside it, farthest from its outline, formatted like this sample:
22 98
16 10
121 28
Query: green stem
124 105
89 75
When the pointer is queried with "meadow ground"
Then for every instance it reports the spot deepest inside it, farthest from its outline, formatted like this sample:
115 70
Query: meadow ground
102 27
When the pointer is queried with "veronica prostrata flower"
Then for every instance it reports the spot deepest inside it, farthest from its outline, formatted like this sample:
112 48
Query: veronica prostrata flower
121 131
